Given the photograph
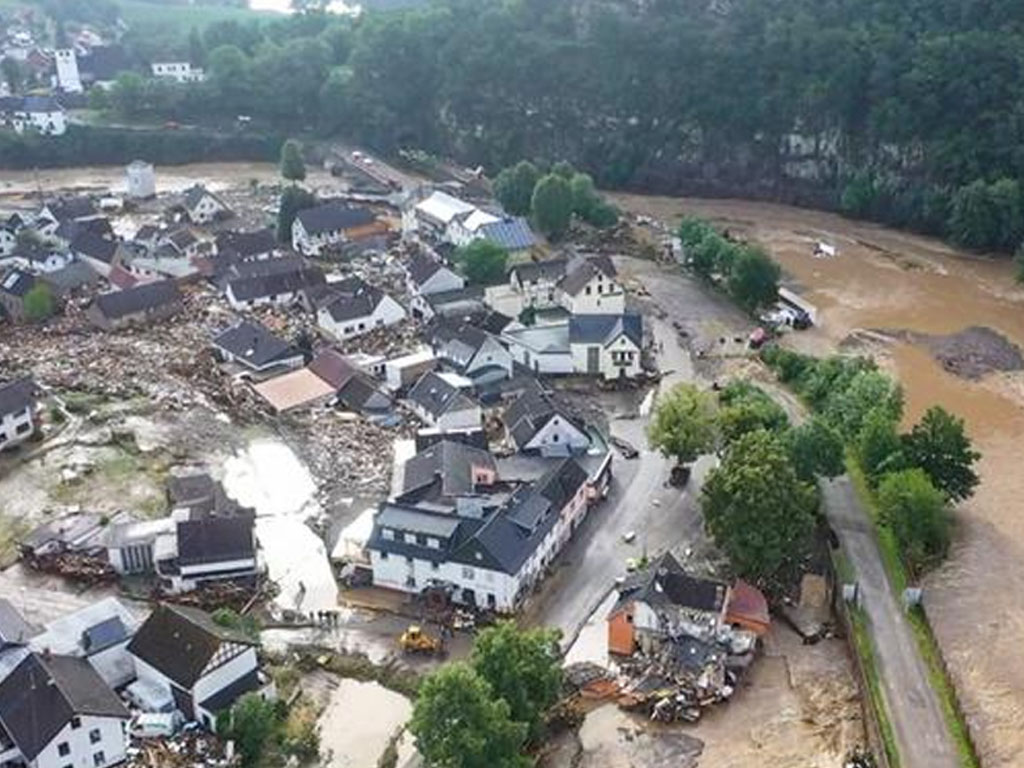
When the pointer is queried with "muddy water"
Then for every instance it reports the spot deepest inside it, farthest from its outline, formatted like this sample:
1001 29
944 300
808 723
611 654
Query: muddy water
890 280
359 721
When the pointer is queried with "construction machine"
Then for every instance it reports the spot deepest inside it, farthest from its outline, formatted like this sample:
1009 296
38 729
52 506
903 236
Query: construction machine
415 640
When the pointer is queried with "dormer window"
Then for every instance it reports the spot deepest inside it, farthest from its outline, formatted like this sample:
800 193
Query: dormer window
387 533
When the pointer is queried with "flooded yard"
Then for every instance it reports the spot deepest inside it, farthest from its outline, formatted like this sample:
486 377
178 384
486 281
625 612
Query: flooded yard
359 721
921 289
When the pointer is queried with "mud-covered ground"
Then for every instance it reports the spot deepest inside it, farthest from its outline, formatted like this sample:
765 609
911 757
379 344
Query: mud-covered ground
935 299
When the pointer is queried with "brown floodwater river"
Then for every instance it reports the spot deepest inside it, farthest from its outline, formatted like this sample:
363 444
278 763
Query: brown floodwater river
893 281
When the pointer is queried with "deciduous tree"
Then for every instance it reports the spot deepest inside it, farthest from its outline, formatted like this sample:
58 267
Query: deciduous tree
458 722
916 512
293 200
552 205
514 187
685 423
482 262
939 445
815 449
293 167
38 302
754 279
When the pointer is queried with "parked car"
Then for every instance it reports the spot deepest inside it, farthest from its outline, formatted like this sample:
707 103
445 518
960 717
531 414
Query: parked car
154 725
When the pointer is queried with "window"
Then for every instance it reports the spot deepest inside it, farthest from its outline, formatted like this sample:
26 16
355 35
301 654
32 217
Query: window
587 290
408 561
63 749
421 539
554 438
410 538
94 736
387 533
468 573
434 543
99 758
21 429
435 566
76 722
383 555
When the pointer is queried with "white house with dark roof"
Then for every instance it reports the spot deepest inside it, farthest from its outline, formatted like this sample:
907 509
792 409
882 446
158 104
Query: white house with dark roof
56 711
207 549
248 246
590 287
250 345
202 206
38 258
41 114
315 230
535 423
352 307
536 282
8 239
489 557
178 71
472 352
186 661
98 252
607 345
277 282
439 403
17 412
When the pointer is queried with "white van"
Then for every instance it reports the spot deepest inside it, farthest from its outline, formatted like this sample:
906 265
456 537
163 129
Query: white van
154 725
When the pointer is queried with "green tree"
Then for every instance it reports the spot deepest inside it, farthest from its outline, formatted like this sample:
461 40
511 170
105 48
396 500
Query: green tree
745 408
552 205
126 95
251 724
878 445
815 449
564 169
13 73
482 262
248 625
458 722
523 667
916 512
848 406
685 423
754 279
938 444
758 511
514 187
1018 261
293 168
293 200
584 195
38 302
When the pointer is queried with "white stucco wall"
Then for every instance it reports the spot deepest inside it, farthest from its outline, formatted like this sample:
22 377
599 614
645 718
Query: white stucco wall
9 425
81 750
558 437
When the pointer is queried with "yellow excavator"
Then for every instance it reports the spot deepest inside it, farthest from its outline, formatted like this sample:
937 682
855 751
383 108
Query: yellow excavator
415 640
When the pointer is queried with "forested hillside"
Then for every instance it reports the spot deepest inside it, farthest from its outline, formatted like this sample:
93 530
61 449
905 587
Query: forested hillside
911 112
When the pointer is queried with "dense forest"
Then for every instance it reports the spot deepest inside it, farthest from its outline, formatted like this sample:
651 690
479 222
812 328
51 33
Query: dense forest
908 112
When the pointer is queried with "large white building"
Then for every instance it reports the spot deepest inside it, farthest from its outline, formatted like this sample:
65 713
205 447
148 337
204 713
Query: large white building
68 78
17 412
41 114
179 71
141 180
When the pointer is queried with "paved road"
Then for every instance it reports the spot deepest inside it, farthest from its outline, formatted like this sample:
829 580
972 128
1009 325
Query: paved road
921 734
641 500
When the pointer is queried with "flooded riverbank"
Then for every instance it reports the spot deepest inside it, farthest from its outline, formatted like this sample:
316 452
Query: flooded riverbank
884 279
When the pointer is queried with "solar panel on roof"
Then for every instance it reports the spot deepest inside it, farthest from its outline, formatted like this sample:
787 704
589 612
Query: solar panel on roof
105 634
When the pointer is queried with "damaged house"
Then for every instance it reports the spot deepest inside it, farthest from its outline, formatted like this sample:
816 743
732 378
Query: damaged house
663 603
255 350
139 305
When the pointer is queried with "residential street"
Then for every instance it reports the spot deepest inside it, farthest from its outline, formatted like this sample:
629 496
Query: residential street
921 734
641 501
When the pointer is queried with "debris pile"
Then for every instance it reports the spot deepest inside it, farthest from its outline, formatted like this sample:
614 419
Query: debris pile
75 566
189 749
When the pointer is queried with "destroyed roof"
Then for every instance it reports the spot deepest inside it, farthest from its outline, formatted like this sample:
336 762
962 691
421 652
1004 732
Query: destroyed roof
512 233
604 329
14 630
247 244
665 583
17 395
531 411
581 271
181 239
41 695
215 540
747 604
147 232
71 208
251 344
90 244
471 293
35 252
551 269
437 397
71 277
138 299
450 462
189 489
17 283
121 278
179 642
332 217
275 284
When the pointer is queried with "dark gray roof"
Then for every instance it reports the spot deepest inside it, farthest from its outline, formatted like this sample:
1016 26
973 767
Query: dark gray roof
471 293
14 630
359 393
147 232
276 283
189 489
138 299
422 267
551 269
107 633
225 697
450 462
604 329
215 540
69 229
41 695
253 345
72 208
90 244
41 104
179 642
181 239
195 193
512 233
247 244
17 283
332 217
353 303
437 397
17 395
73 276
665 583
37 252
530 412
581 271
